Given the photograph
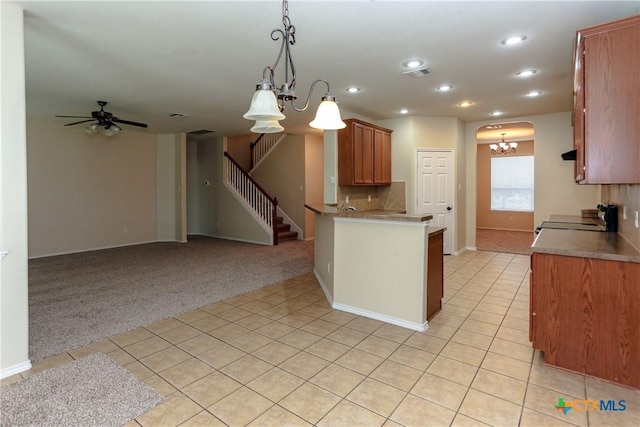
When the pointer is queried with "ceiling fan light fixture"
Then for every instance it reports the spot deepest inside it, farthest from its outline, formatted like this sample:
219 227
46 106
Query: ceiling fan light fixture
93 128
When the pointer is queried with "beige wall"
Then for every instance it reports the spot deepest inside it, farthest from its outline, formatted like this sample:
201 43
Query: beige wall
239 148
555 189
323 249
89 192
170 178
14 304
313 178
486 218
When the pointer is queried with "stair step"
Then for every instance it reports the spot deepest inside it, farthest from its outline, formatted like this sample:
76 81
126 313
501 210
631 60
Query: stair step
279 220
287 235
283 227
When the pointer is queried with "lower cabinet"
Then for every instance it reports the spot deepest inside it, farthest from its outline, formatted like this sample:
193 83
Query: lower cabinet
585 315
435 274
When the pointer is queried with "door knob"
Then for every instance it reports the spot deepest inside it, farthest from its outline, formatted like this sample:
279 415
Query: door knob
449 208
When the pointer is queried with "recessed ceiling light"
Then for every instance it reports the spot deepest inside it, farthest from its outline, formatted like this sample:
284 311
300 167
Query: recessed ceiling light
513 40
403 111
497 113
533 93
444 88
413 63
465 104
353 89
526 73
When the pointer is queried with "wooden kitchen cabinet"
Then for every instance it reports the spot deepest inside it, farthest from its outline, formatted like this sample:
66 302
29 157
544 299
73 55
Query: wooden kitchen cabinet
584 315
606 115
364 154
435 274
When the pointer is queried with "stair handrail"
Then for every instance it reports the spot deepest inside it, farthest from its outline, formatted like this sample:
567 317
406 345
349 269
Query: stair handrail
263 204
264 143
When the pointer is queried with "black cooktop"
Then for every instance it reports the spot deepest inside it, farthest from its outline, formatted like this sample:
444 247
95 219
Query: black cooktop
571 226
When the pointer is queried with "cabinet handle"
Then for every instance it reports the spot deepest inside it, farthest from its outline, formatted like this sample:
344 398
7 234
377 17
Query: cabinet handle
533 314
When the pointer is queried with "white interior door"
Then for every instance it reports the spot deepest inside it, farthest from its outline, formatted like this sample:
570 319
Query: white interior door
435 192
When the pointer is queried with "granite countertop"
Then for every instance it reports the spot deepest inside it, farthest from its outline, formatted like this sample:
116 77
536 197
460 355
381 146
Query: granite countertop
601 245
380 214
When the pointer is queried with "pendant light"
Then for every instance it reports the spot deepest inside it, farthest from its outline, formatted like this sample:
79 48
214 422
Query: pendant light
268 101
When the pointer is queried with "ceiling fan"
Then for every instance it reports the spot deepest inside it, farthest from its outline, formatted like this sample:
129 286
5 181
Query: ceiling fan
103 119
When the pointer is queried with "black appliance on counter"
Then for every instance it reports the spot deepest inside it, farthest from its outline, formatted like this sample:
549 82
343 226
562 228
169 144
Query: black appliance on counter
609 214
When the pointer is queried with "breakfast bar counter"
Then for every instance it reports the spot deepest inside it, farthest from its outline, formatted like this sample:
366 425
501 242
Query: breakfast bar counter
385 265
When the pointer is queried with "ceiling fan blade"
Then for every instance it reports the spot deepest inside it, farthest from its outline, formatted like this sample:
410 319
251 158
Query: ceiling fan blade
81 121
127 122
75 117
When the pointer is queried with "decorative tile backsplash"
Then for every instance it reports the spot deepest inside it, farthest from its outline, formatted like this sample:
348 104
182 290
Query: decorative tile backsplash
624 195
388 197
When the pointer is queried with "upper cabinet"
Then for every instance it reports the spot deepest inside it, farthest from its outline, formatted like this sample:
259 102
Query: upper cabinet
364 154
606 114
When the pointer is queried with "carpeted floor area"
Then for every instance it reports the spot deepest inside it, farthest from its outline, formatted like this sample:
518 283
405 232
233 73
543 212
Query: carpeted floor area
92 391
513 242
81 298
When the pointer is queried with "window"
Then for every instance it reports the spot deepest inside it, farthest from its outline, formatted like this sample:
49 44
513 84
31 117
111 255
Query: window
512 183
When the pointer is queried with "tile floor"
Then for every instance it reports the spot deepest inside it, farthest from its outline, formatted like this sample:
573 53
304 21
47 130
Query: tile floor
280 356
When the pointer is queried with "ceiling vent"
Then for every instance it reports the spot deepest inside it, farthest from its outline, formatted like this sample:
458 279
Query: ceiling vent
420 72
202 132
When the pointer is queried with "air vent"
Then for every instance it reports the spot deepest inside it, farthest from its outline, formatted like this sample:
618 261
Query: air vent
202 132
421 72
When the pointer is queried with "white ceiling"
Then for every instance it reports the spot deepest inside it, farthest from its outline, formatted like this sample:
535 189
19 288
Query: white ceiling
203 58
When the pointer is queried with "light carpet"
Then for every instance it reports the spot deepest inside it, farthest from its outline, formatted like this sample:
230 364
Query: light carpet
92 391
81 298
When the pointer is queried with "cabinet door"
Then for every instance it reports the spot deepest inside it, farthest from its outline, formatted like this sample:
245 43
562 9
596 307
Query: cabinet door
612 103
363 154
382 157
578 110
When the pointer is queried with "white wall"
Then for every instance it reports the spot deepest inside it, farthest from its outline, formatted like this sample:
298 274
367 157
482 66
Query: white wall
89 192
555 189
14 304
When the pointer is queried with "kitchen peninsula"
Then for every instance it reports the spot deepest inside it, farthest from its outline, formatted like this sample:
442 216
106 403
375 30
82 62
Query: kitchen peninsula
380 264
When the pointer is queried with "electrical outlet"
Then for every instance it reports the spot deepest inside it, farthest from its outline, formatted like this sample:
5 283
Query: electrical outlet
125 229
624 211
635 221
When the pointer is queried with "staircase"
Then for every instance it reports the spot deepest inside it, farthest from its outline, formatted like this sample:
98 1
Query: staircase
284 230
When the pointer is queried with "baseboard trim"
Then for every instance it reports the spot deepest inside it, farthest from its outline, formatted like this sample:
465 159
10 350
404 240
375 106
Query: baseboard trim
323 287
15 369
420 327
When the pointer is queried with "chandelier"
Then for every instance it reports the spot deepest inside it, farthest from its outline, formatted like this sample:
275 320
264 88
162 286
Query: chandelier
269 100
503 147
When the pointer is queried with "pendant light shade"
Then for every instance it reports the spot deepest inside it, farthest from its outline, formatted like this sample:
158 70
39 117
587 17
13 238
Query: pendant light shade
328 115
267 126
264 107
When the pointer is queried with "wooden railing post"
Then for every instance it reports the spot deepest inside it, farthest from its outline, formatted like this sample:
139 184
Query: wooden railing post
274 214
